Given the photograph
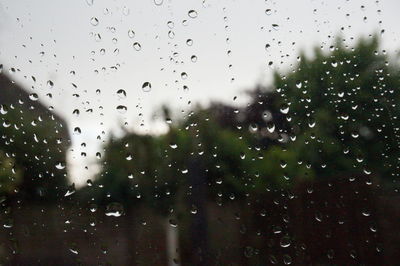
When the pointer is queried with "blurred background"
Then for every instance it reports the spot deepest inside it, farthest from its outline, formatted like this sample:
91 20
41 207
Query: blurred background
199 133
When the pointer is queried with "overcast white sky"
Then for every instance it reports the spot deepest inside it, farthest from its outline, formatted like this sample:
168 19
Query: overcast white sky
50 38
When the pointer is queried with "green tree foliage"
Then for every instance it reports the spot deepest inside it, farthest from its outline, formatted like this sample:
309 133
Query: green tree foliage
343 109
133 173
334 114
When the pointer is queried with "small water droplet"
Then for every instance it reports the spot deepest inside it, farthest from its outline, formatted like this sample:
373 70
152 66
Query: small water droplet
284 109
3 109
170 24
121 93
97 37
137 46
173 145
122 109
77 131
94 21
114 209
131 34
192 13
71 190
146 87
285 242
173 223
33 96
60 165
275 26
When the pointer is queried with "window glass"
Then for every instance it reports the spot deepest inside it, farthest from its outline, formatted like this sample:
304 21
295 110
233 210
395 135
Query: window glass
172 132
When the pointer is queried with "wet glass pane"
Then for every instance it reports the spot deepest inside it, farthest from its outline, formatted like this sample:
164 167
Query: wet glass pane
172 132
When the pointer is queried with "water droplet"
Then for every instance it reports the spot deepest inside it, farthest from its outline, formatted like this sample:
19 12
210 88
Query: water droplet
94 21
284 109
60 165
275 26
71 190
287 260
121 93
270 127
114 209
33 96
126 11
77 131
248 252
193 210
97 37
131 34
146 87
173 223
8 223
185 171
268 11
158 2
3 109
73 250
285 242
137 46
192 13
170 24
122 109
